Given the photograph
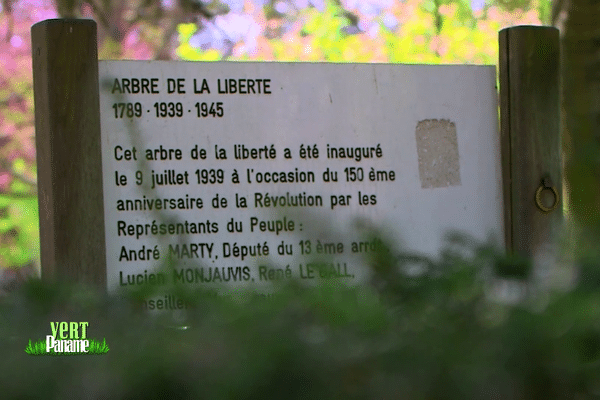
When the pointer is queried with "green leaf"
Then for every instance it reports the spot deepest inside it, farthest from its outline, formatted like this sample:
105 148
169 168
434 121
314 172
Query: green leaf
19 166
186 31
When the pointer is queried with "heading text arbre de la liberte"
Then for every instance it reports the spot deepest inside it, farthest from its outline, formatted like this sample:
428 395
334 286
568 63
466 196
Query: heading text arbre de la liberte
199 86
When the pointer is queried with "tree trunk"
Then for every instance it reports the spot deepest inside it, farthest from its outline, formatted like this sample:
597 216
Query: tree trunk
581 104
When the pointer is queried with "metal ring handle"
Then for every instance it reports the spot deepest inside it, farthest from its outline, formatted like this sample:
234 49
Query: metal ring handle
546 184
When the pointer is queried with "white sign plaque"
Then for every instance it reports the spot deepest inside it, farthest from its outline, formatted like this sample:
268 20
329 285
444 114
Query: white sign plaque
264 169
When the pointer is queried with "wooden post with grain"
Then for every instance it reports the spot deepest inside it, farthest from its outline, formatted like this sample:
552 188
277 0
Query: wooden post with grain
69 164
530 138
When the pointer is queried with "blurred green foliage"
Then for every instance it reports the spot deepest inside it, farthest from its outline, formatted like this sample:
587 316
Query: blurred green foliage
18 224
428 31
448 332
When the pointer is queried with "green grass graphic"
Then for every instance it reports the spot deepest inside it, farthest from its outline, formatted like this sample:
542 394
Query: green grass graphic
97 347
39 349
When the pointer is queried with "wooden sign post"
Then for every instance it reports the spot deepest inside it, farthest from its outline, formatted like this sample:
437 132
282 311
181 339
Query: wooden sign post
67 124
531 141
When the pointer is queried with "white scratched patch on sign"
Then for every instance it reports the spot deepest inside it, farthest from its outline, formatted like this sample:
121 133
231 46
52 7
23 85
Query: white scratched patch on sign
437 151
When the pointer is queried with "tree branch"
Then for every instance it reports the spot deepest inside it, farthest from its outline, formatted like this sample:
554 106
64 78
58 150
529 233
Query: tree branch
23 178
176 19
96 9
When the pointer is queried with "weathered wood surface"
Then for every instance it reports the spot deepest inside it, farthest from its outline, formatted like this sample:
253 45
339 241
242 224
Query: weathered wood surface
67 122
530 137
